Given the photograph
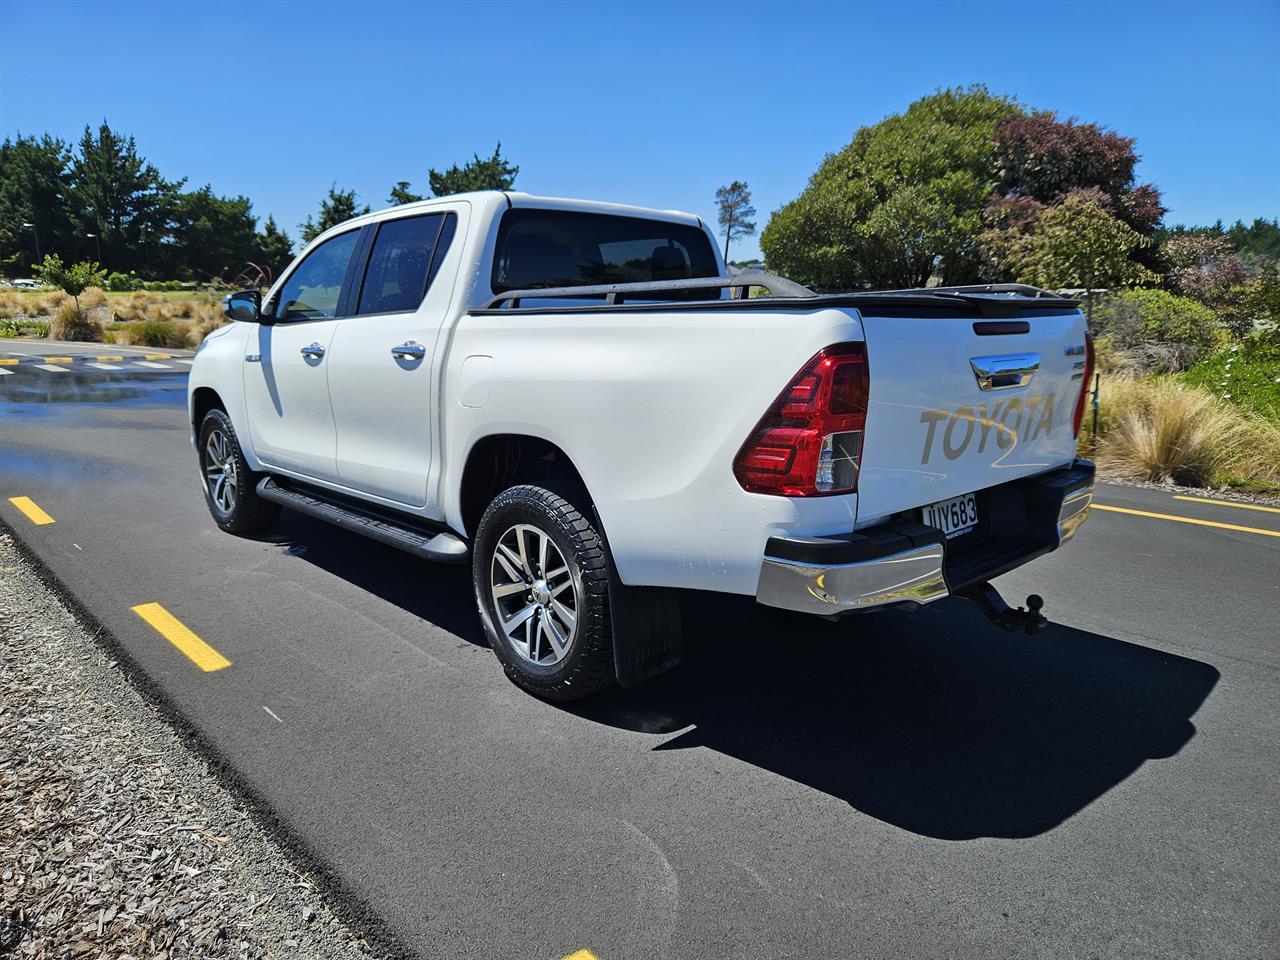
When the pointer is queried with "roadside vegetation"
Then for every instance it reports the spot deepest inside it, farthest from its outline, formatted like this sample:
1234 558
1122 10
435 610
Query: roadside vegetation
142 318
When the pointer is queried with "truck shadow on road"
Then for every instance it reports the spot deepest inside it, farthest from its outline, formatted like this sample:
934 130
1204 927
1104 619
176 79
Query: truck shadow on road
935 722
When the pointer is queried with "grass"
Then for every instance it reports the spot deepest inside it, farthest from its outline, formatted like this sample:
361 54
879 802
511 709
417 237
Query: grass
168 318
1247 377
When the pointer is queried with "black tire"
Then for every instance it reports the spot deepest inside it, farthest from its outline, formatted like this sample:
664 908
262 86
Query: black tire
586 666
248 513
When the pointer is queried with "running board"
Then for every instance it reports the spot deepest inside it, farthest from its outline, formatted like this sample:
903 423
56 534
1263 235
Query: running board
442 547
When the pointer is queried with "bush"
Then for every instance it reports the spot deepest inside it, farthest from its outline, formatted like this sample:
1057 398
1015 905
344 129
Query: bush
152 333
1247 375
72 323
1156 330
122 282
1164 430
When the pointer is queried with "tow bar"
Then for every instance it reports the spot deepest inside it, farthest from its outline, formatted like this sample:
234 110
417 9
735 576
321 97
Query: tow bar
988 600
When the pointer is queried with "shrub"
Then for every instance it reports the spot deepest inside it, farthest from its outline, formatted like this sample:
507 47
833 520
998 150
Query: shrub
10 328
153 333
1160 331
1164 430
72 323
1247 375
122 282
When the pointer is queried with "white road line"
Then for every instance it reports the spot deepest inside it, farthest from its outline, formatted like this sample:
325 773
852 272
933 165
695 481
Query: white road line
104 366
152 364
52 367
187 362
5 373
272 714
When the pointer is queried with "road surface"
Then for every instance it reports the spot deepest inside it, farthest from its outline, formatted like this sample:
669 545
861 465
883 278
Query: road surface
903 785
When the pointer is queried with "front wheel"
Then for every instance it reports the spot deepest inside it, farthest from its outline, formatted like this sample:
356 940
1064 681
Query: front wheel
229 484
542 585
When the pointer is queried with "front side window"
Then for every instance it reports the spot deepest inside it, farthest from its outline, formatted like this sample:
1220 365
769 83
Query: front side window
400 264
312 290
557 248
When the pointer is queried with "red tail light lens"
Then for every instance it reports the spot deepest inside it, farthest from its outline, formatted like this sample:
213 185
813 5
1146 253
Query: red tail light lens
810 442
1085 384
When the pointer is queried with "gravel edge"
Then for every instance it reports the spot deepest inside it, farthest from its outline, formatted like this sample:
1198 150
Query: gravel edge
1210 493
196 870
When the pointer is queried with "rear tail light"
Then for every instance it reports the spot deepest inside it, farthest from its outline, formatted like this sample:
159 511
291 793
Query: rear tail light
1084 384
809 443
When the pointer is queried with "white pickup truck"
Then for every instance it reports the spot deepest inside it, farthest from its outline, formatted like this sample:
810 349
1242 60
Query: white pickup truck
578 399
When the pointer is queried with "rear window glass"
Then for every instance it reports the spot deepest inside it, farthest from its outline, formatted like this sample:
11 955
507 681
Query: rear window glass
403 253
558 248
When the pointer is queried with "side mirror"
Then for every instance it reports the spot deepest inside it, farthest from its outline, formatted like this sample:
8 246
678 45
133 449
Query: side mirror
244 306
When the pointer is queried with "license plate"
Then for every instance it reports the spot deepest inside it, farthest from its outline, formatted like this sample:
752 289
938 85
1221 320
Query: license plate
953 517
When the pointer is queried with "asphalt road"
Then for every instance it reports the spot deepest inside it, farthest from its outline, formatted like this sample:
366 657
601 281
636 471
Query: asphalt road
897 786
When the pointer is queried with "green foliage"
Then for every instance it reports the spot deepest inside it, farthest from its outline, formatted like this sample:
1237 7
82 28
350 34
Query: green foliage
10 328
71 323
213 237
736 211
73 279
1157 329
35 186
275 249
900 204
491 173
1247 376
401 194
338 207
156 333
118 282
1078 244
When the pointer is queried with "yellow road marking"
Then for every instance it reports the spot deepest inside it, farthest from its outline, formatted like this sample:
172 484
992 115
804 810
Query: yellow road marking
34 513
1199 523
56 359
177 633
1229 503
582 955
8 361
158 356
108 359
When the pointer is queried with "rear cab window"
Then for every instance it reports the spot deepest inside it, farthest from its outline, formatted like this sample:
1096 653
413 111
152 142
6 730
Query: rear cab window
562 248
405 257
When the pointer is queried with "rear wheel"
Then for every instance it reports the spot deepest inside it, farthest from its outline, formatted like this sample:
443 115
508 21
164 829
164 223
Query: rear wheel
230 487
542 585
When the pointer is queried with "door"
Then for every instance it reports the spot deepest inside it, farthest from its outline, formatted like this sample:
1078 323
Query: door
381 374
286 367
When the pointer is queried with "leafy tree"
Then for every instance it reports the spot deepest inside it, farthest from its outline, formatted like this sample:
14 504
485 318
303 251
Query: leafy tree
736 210
1079 244
73 279
401 194
339 207
491 173
34 184
900 204
212 236
1161 331
275 249
122 198
1259 241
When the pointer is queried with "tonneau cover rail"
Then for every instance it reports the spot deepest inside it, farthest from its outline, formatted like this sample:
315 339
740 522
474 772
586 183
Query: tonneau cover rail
987 300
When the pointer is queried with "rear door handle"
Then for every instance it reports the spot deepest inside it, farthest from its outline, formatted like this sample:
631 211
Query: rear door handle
313 350
412 350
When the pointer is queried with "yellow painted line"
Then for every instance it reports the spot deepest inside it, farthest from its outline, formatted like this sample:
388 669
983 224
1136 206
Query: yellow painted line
34 513
177 633
57 359
9 361
109 359
582 955
158 356
1198 523
1229 503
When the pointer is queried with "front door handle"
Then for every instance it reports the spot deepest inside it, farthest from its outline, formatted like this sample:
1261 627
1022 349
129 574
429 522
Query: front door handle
412 350
313 350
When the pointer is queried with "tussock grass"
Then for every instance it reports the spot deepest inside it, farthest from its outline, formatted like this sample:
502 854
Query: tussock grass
1163 430
72 323
152 333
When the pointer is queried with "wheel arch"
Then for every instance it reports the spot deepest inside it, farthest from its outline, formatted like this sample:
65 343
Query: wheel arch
204 399
503 460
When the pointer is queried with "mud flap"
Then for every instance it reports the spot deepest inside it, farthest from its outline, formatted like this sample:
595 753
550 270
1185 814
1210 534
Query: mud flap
648 638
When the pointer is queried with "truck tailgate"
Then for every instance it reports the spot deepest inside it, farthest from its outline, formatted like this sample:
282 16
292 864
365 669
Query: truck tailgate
943 421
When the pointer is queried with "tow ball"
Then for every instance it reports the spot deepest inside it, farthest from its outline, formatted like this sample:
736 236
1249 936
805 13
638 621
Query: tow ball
1012 619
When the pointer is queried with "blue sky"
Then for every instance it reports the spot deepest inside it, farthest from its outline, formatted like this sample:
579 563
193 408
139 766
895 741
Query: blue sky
650 103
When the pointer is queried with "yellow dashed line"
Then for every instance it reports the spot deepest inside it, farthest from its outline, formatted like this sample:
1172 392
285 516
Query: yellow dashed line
108 359
33 512
8 361
1199 523
57 359
177 633
1229 503
582 955
158 356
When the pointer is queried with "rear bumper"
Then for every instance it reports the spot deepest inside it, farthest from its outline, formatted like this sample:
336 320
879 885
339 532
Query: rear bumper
907 562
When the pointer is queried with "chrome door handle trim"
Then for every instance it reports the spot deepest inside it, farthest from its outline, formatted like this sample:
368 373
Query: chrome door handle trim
412 350
1005 372
312 350
253 358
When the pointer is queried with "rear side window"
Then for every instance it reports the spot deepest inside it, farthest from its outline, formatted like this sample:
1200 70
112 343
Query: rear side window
406 255
559 248
312 290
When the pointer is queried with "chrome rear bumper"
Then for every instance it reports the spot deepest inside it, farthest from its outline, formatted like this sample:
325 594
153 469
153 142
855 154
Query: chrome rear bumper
908 562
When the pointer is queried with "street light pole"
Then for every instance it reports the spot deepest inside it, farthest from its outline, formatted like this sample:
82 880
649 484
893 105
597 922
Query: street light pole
35 234
97 242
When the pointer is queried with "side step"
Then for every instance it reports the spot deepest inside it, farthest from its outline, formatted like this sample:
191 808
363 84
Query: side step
440 546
